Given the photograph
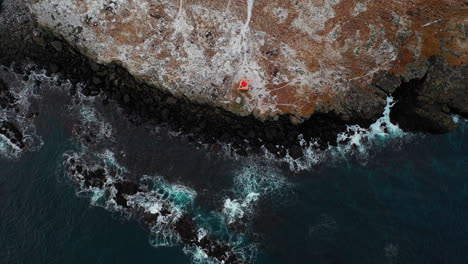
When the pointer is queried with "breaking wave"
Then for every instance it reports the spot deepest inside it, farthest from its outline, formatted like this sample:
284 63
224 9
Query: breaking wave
250 184
176 199
91 128
17 128
356 142
152 200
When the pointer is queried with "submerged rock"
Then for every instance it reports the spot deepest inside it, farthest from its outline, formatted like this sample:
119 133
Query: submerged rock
301 57
187 229
14 135
295 152
7 100
153 206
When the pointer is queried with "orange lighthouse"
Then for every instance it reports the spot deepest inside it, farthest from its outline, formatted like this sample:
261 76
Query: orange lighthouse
244 85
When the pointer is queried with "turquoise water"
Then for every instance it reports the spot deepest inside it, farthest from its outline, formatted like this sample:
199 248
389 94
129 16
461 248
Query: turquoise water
399 199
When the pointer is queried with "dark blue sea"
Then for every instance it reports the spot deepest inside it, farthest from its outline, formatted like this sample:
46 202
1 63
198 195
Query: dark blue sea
391 197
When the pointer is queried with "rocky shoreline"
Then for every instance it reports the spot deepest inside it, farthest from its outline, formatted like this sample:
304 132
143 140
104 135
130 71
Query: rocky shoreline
425 102
185 227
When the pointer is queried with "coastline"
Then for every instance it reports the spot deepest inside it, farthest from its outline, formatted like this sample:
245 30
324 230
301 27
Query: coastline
28 43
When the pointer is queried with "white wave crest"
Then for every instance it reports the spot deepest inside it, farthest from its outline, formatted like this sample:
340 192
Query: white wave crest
354 142
250 184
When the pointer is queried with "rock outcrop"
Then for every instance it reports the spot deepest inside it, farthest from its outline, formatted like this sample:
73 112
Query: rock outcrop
301 57
6 98
427 104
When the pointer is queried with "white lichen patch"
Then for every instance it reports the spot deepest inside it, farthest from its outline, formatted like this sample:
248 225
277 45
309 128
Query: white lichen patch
312 16
359 8
281 13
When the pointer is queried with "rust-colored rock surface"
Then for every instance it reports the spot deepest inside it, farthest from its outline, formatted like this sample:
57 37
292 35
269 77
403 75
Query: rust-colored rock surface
301 56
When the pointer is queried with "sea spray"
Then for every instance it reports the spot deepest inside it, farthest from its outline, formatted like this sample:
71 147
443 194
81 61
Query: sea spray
101 178
8 149
259 178
199 256
169 201
95 174
357 140
24 88
354 142
251 183
234 209
92 127
21 89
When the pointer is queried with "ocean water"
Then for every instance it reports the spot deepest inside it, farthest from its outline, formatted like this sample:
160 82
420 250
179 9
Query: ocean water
382 196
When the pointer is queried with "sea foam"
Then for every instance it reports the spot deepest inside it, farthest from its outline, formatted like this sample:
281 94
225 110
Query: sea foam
355 142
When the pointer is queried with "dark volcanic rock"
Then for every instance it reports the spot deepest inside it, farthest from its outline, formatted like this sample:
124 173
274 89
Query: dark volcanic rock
387 82
427 104
125 188
187 230
95 178
7 100
295 152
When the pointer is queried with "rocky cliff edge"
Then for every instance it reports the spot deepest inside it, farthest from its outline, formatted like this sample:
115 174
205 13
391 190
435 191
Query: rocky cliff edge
301 57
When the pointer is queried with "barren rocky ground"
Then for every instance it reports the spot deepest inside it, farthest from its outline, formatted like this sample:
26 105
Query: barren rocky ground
301 57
